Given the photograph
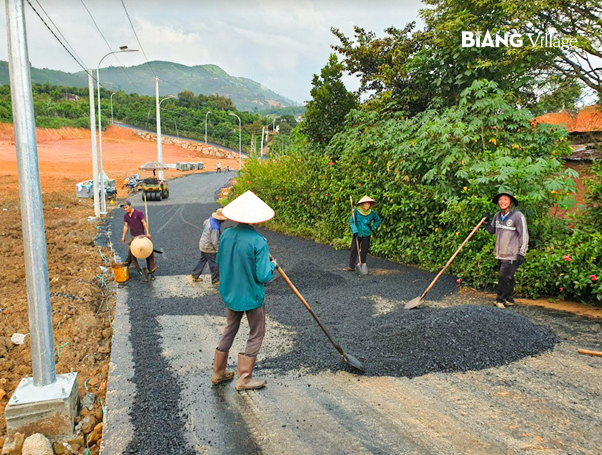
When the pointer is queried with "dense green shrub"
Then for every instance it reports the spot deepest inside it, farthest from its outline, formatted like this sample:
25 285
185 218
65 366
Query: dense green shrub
434 176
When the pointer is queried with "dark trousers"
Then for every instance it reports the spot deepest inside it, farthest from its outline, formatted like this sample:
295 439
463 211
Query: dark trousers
150 261
256 319
211 259
364 247
505 286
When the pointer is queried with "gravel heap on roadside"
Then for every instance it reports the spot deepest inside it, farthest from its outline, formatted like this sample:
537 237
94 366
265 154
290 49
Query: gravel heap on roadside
416 342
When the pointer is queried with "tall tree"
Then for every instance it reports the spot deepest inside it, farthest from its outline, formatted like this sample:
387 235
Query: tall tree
329 105
381 64
406 69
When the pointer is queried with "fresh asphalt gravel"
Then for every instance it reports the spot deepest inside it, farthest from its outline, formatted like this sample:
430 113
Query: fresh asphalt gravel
364 315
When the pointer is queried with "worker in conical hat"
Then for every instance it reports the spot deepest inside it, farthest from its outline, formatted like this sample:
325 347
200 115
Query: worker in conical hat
363 221
511 244
133 220
244 266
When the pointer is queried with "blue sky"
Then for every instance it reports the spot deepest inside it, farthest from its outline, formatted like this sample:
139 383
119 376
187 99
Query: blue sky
280 44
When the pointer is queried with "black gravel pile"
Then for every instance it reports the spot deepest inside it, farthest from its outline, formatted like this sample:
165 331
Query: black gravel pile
413 343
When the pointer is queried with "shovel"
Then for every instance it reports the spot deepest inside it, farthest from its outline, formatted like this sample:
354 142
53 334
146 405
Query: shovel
355 363
418 300
361 267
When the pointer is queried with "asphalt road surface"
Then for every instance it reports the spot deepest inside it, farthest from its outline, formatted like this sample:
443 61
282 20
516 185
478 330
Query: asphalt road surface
452 377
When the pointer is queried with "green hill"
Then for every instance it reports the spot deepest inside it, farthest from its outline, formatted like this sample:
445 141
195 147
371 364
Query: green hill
246 94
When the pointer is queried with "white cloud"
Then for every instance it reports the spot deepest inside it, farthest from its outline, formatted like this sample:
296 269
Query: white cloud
279 44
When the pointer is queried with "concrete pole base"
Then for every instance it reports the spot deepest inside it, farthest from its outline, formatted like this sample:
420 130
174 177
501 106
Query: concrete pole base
49 410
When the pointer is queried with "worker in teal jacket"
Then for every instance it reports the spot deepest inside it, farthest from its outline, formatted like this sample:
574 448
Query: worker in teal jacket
363 221
244 266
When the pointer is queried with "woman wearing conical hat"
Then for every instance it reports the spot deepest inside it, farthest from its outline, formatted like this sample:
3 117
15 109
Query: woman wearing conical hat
244 266
363 221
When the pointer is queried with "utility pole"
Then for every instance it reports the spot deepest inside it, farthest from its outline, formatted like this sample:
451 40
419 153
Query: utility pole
262 133
45 396
159 148
94 152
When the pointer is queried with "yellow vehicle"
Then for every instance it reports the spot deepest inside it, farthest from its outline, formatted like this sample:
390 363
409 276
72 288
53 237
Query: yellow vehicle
154 189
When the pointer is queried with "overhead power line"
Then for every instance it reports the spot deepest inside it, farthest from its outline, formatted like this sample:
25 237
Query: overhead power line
142 48
59 31
137 39
108 45
55 36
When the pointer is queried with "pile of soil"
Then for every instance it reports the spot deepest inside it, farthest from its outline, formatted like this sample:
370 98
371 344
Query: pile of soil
81 298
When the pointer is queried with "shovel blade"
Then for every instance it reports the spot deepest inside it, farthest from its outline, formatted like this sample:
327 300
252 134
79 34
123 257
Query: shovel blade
362 269
413 303
353 362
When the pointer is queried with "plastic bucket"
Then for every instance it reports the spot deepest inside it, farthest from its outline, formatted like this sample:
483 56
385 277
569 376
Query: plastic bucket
121 272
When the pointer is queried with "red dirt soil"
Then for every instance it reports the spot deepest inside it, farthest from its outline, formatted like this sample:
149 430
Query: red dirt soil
65 156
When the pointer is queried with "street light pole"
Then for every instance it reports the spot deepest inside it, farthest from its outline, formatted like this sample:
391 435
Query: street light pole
103 206
208 112
112 122
239 140
159 145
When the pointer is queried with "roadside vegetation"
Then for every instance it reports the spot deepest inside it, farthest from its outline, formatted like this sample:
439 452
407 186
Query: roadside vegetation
434 132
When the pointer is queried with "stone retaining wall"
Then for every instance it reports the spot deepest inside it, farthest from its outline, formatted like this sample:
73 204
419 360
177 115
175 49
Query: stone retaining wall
199 147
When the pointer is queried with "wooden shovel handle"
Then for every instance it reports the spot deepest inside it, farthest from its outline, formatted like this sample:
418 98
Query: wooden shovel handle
588 352
453 257
304 302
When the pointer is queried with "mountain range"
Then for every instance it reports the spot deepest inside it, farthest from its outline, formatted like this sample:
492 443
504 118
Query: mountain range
174 78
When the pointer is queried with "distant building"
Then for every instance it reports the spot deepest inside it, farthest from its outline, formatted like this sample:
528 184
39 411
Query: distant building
587 120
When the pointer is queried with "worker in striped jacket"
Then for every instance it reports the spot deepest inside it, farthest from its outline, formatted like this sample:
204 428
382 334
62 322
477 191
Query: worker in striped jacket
511 244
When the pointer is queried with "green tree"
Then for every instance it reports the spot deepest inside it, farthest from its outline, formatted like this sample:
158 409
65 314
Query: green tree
221 102
187 99
330 104
521 70
381 64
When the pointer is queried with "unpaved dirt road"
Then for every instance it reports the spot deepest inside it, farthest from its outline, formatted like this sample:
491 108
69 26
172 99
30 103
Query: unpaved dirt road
160 399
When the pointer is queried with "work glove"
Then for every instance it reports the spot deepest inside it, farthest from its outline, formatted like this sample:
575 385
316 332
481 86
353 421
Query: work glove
487 217
520 259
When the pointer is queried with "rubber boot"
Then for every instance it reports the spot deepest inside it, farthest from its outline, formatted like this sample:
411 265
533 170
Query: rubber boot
245 373
219 368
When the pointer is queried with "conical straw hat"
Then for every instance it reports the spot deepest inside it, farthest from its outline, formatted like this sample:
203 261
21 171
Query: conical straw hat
218 215
366 199
248 208
141 247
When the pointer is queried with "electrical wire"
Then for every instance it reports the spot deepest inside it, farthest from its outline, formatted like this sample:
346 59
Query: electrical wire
142 48
137 39
56 37
108 45
59 31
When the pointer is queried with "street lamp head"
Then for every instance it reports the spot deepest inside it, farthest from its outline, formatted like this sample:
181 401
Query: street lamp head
123 48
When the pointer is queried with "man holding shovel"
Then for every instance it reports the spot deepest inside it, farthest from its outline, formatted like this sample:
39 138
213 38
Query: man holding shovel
134 221
244 265
511 244
363 221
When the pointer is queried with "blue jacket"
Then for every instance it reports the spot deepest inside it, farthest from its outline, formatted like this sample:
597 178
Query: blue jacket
365 223
244 267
